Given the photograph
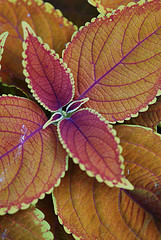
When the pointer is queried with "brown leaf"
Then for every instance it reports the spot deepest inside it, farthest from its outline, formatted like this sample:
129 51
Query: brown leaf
32 160
26 225
142 155
150 118
112 60
43 18
92 210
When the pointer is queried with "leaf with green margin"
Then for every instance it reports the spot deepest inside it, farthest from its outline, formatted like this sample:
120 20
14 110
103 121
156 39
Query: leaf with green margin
105 6
116 60
46 206
32 160
150 118
48 77
47 22
13 90
142 154
28 224
3 37
92 210
92 143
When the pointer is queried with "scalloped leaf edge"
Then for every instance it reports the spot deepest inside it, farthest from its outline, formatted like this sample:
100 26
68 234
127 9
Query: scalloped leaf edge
3 38
125 184
45 226
26 27
24 206
67 230
109 15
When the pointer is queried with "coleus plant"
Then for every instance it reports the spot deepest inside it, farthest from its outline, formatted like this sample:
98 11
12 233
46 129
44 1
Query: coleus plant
112 67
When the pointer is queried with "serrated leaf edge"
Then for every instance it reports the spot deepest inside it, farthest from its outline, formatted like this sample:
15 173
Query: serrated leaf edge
102 10
23 206
45 226
108 16
52 53
67 230
125 183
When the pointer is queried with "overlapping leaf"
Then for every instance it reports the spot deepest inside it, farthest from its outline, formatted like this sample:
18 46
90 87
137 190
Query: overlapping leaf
104 6
91 142
50 80
116 60
43 18
31 159
92 210
150 118
46 206
28 224
10 89
82 134
142 153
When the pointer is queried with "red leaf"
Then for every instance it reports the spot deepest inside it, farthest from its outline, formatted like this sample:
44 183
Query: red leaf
48 77
91 142
31 159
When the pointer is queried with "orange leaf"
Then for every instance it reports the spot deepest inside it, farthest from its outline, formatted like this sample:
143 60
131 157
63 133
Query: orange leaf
142 154
116 61
104 6
92 210
31 159
150 118
42 17
28 224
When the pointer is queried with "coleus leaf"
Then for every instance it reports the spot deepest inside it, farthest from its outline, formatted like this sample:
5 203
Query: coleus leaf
48 23
50 80
3 37
91 142
46 206
28 224
112 60
31 159
142 153
92 210
104 6
150 118
53 87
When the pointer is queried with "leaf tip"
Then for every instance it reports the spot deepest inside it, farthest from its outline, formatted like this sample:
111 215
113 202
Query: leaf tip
27 29
125 184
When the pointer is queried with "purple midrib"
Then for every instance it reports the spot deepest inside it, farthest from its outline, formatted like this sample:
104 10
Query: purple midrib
97 81
29 136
